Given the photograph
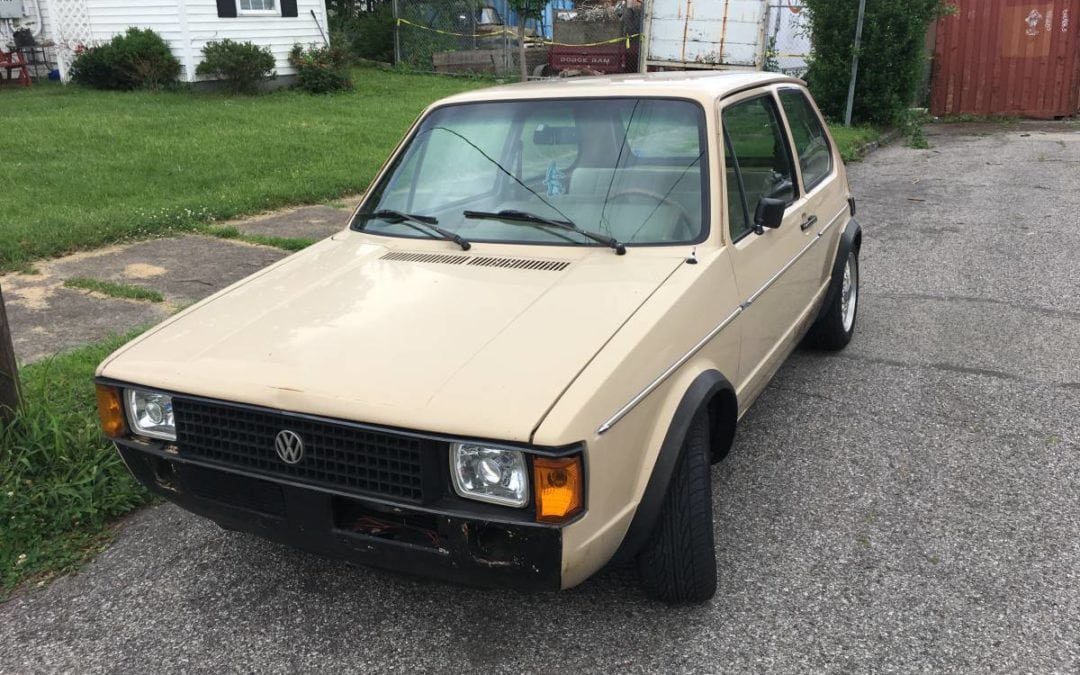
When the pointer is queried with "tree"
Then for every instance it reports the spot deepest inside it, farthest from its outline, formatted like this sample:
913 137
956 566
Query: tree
9 374
342 12
526 9
366 27
891 57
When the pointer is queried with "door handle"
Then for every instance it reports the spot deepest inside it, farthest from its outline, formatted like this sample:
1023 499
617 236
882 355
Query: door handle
808 223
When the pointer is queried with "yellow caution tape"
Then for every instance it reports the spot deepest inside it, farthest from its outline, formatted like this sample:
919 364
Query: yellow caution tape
626 38
446 32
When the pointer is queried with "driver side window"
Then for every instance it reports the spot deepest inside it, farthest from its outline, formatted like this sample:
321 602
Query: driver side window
759 162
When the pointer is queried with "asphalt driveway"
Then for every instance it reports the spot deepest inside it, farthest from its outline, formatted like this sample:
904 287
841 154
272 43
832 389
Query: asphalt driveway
910 504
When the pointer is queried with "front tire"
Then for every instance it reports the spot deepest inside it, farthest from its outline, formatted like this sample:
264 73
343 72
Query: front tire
678 564
833 331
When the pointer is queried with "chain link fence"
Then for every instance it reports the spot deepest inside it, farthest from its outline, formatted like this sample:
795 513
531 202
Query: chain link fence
787 37
481 36
456 36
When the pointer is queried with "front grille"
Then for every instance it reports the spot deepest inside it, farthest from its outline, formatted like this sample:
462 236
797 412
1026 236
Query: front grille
336 455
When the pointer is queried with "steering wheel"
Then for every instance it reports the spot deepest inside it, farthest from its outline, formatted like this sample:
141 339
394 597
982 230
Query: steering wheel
685 219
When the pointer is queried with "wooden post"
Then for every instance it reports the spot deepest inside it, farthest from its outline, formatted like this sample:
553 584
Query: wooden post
397 35
9 374
521 48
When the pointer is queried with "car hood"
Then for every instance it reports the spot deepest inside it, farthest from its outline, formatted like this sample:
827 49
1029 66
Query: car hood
434 340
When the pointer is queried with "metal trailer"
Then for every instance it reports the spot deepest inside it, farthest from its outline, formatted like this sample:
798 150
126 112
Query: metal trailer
683 34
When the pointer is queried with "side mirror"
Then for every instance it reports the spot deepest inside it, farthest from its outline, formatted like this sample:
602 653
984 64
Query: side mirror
769 213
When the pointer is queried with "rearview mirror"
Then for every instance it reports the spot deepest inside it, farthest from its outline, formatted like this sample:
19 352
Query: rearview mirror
769 213
549 135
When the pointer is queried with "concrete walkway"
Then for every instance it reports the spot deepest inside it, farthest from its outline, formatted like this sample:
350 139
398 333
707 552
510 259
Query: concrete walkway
47 318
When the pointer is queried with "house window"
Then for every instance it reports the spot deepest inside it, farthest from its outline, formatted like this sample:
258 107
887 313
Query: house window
256 6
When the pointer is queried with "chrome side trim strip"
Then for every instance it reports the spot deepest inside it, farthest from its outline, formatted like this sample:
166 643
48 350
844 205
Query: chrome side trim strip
644 393
776 277
791 263
832 222
668 373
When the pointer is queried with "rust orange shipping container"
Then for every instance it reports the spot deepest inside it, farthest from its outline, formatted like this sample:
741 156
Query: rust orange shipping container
1008 57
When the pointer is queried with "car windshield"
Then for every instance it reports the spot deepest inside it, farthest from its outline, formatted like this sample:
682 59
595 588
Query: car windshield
627 169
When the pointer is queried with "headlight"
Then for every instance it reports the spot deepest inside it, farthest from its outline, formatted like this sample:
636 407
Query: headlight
150 414
494 475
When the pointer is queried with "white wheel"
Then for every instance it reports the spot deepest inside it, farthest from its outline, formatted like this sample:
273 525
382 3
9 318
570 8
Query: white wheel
836 324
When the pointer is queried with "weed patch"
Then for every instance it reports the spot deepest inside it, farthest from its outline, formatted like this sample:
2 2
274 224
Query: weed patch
285 243
115 290
61 482
852 141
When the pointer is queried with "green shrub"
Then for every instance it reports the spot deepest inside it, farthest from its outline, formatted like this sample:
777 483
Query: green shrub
891 57
94 67
242 65
321 69
137 59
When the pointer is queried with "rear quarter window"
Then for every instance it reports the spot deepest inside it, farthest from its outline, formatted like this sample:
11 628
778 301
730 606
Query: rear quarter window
811 142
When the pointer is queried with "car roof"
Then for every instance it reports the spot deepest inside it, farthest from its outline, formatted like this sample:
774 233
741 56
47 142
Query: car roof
701 85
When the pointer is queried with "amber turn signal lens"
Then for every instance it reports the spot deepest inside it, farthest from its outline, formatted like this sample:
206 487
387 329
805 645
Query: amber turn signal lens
559 487
110 411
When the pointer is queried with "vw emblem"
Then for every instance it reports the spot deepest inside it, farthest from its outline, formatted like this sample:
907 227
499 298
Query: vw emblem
289 446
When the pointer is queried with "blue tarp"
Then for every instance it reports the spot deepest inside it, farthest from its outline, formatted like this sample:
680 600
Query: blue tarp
544 29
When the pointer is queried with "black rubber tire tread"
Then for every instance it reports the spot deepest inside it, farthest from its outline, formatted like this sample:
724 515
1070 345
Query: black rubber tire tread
678 564
828 333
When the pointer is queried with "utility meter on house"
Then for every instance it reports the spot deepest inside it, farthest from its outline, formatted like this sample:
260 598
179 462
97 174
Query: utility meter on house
11 9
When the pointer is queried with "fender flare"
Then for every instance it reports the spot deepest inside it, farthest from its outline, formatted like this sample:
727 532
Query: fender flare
701 391
850 239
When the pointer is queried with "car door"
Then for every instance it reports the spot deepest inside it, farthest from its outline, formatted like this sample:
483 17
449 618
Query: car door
825 191
774 281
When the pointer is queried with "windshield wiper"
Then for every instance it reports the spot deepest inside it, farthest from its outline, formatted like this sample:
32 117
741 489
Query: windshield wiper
513 216
415 221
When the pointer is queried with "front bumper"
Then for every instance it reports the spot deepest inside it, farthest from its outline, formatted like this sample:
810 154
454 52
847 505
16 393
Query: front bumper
450 546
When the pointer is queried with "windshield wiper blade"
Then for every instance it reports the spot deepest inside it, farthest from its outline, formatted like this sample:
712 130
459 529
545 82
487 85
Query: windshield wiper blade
513 216
414 221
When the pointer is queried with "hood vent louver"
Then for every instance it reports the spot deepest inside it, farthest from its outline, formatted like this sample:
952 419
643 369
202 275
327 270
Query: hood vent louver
479 261
443 258
522 264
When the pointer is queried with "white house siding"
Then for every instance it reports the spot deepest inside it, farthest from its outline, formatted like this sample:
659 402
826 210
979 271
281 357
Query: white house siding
111 17
188 25
279 33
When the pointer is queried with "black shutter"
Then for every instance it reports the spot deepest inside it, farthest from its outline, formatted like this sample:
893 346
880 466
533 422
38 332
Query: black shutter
226 9
288 8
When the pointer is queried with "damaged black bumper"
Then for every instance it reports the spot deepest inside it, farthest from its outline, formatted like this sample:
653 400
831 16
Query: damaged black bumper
450 545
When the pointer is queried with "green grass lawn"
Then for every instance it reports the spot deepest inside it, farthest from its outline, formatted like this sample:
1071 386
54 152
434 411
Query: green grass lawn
852 140
85 168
